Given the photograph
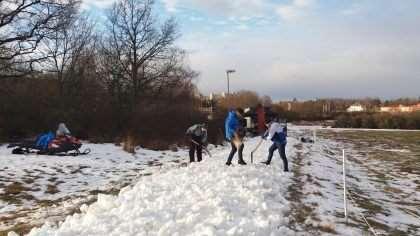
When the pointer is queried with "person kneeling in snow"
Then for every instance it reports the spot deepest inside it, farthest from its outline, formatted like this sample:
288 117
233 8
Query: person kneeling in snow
278 135
235 133
198 137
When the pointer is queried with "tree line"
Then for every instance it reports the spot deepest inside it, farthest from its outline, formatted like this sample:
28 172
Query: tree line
335 109
379 120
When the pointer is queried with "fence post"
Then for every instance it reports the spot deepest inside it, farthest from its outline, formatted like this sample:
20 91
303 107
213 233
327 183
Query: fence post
344 184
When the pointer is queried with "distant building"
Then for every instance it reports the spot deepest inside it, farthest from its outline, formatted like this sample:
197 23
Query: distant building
207 105
357 107
386 109
400 108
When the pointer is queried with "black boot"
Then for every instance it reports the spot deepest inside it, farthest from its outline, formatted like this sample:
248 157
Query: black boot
240 158
228 163
266 162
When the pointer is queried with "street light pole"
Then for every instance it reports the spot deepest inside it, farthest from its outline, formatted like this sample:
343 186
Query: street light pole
227 75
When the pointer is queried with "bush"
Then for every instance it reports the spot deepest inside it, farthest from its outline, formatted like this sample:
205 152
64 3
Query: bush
31 106
378 120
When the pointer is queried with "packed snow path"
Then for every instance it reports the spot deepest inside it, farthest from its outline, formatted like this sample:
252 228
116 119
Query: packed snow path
206 198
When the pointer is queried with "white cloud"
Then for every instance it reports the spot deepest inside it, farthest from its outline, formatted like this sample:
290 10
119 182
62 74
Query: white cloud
330 56
87 4
295 10
235 8
352 10
220 22
196 18
170 5
243 27
332 60
288 13
303 3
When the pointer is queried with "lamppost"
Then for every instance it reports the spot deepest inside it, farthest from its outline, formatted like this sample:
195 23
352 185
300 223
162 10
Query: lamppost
227 75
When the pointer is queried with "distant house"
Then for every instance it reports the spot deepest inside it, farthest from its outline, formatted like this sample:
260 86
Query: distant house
387 109
357 107
207 105
400 108
416 107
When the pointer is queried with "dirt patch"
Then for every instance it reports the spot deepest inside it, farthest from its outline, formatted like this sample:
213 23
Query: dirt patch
301 212
52 179
21 229
112 191
29 180
52 189
15 192
15 188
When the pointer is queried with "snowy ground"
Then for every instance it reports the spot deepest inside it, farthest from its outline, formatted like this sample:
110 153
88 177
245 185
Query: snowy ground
384 186
168 197
35 188
207 198
383 176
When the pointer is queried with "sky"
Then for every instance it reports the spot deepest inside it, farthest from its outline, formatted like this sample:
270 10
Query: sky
303 49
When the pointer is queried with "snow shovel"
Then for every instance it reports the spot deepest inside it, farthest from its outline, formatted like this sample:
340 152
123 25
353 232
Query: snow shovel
204 148
255 149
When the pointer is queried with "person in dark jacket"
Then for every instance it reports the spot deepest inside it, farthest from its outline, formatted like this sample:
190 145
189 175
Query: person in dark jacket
198 137
235 133
277 133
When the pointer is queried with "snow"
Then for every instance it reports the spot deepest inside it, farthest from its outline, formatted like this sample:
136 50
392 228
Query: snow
365 129
167 196
323 164
207 198
76 179
395 150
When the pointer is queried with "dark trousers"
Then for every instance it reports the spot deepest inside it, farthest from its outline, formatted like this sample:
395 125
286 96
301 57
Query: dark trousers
196 147
233 151
282 152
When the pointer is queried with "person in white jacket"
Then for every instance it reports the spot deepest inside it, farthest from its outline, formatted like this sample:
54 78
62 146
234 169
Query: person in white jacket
62 130
277 133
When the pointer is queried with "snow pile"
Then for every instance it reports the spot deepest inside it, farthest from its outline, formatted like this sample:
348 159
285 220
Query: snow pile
207 198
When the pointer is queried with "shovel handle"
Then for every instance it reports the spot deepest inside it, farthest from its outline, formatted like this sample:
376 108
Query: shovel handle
204 148
255 149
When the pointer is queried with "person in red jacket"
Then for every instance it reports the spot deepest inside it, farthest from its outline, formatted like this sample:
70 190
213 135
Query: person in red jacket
261 119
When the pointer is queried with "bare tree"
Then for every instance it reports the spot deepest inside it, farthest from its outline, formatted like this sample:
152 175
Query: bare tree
243 98
138 53
23 25
66 46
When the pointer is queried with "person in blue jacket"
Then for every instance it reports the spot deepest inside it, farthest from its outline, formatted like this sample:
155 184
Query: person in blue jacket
277 133
234 134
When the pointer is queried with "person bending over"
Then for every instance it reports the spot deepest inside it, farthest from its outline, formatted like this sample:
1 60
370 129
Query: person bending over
198 137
